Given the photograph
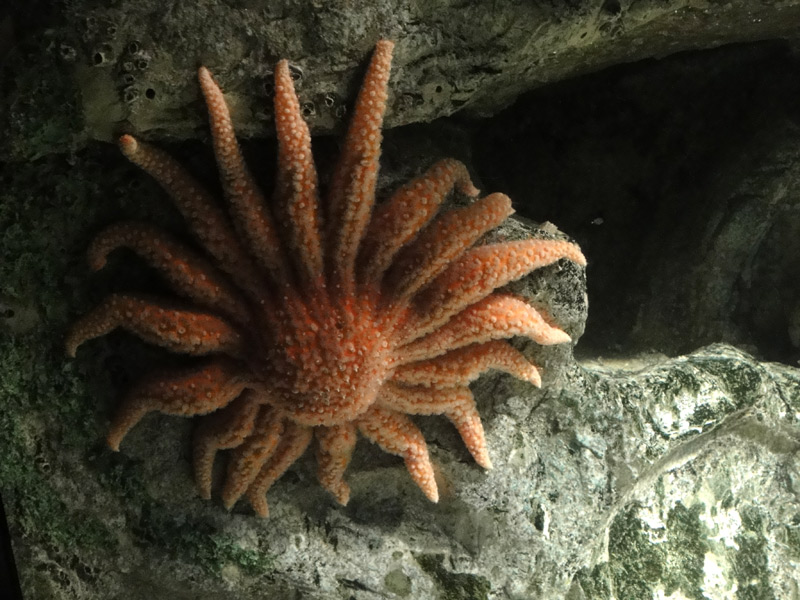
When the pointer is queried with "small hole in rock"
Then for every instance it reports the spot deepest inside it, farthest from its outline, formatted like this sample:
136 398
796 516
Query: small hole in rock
67 52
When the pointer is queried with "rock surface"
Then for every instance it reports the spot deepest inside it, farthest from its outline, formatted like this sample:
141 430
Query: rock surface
126 66
632 475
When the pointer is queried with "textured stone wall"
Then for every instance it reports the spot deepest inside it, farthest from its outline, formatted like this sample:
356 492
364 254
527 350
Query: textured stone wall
660 464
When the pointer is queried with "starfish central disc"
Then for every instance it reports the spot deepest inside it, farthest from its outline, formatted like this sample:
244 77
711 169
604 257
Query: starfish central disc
332 356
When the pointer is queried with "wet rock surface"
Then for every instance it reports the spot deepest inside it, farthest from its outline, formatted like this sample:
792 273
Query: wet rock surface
659 464
129 66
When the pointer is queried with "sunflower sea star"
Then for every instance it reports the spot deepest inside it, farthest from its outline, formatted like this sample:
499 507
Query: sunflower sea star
323 319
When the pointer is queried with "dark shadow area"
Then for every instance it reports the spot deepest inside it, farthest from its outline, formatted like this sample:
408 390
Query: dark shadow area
649 166
9 580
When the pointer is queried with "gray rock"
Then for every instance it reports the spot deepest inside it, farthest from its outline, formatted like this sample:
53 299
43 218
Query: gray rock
629 475
130 66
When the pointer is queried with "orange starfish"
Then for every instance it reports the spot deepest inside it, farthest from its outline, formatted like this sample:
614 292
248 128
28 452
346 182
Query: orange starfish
324 319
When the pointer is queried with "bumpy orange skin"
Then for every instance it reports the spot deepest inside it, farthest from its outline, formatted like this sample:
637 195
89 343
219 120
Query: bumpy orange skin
330 354
324 317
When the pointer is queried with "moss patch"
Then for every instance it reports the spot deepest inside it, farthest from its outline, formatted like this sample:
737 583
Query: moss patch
37 511
43 115
196 541
638 567
750 563
741 381
453 586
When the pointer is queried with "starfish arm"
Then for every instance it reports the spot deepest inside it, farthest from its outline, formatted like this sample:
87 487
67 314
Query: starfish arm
196 391
207 221
399 219
293 444
352 187
222 430
188 273
495 317
456 403
296 187
443 241
248 459
396 434
248 207
185 331
461 366
468 423
335 448
482 270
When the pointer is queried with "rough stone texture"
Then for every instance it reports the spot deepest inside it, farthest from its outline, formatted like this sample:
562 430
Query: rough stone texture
716 512
125 65
627 478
